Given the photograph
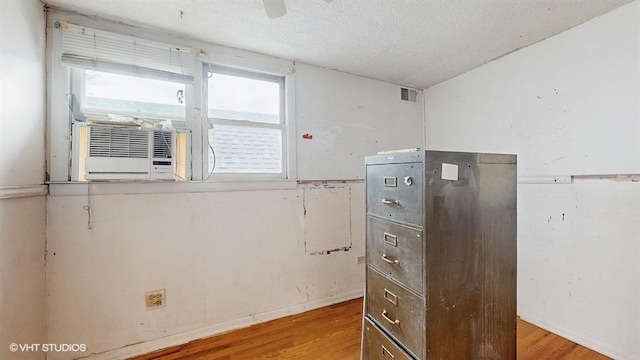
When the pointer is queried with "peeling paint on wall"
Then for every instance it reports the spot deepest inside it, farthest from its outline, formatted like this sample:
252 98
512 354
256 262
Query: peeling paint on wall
327 252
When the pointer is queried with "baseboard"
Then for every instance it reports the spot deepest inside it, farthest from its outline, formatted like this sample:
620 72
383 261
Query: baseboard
207 331
585 341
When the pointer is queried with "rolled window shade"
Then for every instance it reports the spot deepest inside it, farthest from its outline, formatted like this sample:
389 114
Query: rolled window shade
127 55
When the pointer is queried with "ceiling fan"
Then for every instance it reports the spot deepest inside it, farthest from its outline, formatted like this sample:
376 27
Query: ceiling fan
276 8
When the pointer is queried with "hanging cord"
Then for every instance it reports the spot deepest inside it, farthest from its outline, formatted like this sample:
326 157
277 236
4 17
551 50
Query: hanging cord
87 207
205 120
213 155
205 125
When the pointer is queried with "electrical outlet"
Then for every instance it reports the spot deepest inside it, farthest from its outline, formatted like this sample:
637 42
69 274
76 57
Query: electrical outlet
155 299
361 259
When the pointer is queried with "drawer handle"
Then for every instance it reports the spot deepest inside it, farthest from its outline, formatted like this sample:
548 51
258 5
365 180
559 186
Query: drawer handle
390 202
389 260
392 322
386 353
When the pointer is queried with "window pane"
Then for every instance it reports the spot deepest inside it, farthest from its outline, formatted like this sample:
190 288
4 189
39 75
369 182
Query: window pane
239 98
241 149
130 95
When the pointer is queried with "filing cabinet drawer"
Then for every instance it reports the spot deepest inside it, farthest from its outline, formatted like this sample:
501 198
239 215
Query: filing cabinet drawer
397 310
396 251
377 346
394 192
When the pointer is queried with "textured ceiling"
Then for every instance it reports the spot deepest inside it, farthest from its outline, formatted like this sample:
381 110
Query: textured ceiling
418 43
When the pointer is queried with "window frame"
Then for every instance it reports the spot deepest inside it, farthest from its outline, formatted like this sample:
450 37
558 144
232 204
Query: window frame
283 125
59 165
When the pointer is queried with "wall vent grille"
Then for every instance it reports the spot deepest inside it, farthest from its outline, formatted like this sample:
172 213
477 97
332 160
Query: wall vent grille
408 94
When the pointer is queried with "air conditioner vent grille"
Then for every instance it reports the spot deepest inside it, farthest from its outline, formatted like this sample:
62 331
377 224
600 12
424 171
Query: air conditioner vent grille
162 144
118 142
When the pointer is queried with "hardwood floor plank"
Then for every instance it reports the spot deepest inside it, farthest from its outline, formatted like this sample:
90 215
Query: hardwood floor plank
333 333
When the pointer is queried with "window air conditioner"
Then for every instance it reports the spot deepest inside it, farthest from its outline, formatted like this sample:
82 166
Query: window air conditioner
126 153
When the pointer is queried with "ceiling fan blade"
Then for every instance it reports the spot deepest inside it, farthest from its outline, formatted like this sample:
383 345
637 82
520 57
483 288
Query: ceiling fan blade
274 8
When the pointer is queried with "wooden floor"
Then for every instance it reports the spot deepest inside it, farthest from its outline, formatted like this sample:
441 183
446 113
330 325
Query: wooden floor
333 333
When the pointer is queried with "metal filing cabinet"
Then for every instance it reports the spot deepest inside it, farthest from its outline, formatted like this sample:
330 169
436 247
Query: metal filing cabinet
441 256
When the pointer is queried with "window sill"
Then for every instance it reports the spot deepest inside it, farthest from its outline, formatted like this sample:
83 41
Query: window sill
163 187
11 192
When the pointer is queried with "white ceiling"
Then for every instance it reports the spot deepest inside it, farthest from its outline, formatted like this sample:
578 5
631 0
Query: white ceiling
417 43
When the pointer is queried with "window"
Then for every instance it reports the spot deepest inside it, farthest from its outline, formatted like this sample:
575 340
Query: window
247 113
115 80
122 100
107 93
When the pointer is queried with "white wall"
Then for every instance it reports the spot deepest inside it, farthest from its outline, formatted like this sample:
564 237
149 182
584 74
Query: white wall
350 117
567 106
227 259
23 91
22 280
22 227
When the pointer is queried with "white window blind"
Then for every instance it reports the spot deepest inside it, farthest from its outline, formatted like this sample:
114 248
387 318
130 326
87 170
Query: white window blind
104 51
